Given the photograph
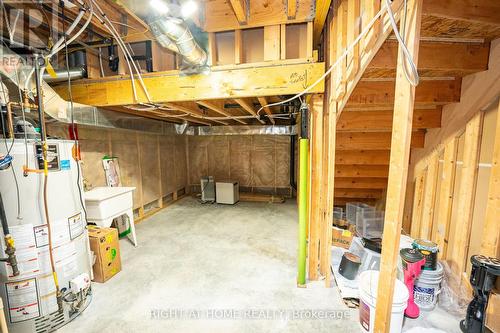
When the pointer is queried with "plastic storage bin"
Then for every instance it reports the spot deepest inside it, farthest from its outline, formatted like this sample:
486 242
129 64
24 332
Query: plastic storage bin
369 223
352 209
338 213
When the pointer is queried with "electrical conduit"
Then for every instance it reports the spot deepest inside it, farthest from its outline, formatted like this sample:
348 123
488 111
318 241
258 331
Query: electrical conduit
302 193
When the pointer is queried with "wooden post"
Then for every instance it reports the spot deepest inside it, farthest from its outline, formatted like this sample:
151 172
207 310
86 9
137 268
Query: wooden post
490 246
446 196
398 171
418 199
283 42
212 49
466 193
316 181
272 44
238 47
429 197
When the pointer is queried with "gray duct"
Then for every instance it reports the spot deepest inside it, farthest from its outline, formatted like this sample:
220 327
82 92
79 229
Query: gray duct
62 75
173 34
169 30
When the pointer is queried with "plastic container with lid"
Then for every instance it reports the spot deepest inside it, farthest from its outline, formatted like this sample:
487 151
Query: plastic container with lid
369 223
353 208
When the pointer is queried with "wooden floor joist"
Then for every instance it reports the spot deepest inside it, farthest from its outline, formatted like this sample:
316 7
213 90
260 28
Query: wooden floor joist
398 171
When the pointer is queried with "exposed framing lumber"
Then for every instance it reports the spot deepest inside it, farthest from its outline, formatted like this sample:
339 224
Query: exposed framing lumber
481 11
291 8
398 171
322 8
238 47
381 93
249 108
240 10
373 171
418 202
263 102
353 30
272 45
364 183
373 42
220 110
466 193
429 197
316 181
223 82
436 59
382 120
446 196
358 193
212 49
490 245
194 112
374 140
362 157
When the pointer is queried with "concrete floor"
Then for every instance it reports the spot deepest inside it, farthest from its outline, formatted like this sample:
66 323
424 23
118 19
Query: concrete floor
208 257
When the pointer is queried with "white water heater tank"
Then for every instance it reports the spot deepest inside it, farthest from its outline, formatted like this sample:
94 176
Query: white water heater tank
30 302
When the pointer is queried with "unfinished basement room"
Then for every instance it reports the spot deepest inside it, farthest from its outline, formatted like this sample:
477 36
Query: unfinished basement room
250 166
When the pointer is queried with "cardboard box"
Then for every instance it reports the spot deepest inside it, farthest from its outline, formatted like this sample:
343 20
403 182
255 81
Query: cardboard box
492 310
105 244
341 238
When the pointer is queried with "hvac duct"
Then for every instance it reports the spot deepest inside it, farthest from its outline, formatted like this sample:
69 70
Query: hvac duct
172 33
62 75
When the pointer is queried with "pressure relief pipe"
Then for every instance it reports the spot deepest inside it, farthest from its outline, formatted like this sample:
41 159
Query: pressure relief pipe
302 193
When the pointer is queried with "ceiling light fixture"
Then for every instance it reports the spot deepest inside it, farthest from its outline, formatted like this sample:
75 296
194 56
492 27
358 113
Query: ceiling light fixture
160 6
188 8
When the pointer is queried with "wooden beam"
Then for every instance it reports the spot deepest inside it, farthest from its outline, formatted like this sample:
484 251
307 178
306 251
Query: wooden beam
283 41
373 140
482 11
240 10
212 49
466 194
316 181
291 8
446 196
322 8
220 15
374 40
192 110
343 201
229 82
362 157
362 183
398 171
358 193
353 30
263 102
428 92
382 120
429 205
238 47
249 108
363 171
220 110
418 203
436 60
490 245
309 40
272 44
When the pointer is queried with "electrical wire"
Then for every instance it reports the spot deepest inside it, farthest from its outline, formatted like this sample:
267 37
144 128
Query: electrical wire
385 7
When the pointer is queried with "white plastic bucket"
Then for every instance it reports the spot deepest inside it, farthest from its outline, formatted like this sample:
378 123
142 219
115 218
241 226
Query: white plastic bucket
368 284
428 287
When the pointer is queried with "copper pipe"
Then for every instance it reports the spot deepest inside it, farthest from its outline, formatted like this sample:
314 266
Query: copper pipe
10 121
